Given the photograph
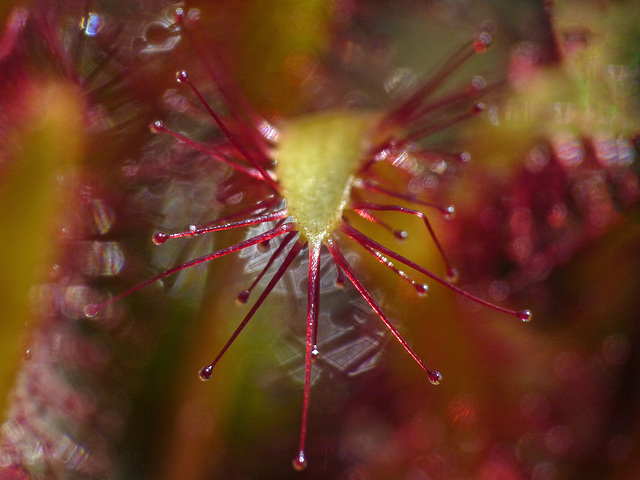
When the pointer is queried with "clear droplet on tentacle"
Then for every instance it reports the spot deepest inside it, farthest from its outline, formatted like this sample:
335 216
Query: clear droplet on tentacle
159 238
452 275
482 43
435 377
478 108
243 297
157 127
449 212
422 289
300 462
91 310
400 234
182 77
525 315
205 373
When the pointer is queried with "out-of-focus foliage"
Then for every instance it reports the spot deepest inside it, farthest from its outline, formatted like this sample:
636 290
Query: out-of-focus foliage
39 153
547 219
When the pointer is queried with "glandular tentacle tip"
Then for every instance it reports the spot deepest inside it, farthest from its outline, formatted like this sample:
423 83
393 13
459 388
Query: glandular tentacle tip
478 108
182 76
452 275
435 377
400 234
525 315
91 310
243 297
449 211
205 373
482 42
159 238
300 462
157 127
422 289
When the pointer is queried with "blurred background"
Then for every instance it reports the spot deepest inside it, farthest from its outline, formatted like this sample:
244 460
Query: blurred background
546 219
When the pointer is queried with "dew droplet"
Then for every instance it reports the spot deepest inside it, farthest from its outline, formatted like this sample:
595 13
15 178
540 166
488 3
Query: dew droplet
525 315
300 462
243 296
157 127
159 238
182 77
27 354
452 275
315 353
422 289
435 377
91 310
205 373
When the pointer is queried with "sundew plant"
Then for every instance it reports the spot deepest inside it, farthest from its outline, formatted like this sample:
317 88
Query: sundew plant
328 149
320 168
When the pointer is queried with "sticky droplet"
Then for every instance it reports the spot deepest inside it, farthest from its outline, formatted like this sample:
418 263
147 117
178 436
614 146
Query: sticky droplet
435 377
159 238
243 296
182 77
91 310
205 373
482 43
449 212
157 127
525 315
478 108
452 275
479 47
400 234
422 289
300 462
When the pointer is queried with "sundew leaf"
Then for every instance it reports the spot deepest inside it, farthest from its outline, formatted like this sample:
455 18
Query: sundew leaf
31 192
